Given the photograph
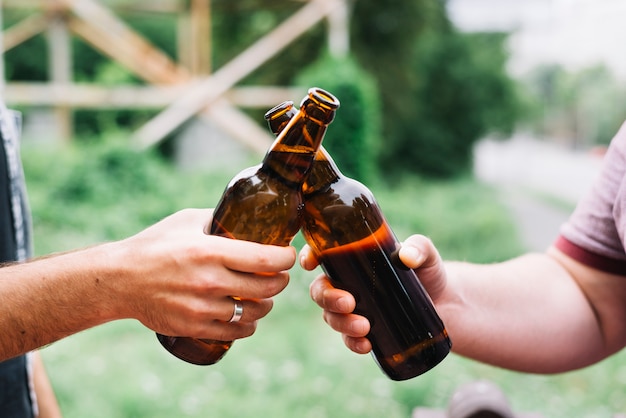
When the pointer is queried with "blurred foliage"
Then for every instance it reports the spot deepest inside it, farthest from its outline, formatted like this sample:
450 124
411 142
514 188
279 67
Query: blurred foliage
101 189
354 137
439 90
28 62
461 94
583 108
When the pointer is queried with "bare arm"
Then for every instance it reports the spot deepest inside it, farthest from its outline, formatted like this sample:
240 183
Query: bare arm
540 313
172 277
44 393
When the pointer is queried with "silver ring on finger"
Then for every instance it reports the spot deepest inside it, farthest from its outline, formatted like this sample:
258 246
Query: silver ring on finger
237 311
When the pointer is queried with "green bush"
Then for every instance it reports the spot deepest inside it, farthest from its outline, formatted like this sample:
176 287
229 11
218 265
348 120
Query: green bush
462 93
353 138
103 189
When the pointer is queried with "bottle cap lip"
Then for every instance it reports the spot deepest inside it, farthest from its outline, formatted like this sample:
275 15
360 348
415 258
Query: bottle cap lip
323 97
279 109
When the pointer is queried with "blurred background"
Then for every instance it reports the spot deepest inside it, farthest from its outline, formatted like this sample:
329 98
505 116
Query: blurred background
476 122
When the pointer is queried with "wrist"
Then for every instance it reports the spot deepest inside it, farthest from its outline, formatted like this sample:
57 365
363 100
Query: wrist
451 303
110 273
94 278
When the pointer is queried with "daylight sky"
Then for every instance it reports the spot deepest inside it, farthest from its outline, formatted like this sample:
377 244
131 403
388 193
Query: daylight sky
575 33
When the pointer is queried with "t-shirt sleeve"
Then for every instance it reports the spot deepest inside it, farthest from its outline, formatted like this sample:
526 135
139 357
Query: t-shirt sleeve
595 232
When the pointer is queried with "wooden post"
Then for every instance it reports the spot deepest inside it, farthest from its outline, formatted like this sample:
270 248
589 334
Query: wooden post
102 29
338 30
200 39
194 38
60 66
24 30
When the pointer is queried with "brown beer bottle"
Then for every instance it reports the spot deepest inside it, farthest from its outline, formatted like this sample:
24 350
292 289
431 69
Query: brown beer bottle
357 249
263 203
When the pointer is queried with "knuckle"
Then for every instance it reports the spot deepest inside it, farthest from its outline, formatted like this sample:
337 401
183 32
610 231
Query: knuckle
272 286
263 260
266 306
243 330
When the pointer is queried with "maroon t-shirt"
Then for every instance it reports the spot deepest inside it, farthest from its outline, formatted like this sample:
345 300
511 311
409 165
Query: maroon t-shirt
595 233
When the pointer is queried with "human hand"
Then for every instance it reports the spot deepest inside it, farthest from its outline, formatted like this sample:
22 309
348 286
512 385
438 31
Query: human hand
177 280
417 252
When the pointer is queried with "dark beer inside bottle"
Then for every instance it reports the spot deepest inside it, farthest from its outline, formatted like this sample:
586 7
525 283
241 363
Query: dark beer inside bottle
358 251
291 165
194 350
250 210
407 339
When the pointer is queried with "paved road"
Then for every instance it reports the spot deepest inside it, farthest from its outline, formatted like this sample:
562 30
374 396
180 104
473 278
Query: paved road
539 182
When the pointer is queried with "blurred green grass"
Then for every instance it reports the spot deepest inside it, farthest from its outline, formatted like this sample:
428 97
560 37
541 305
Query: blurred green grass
294 365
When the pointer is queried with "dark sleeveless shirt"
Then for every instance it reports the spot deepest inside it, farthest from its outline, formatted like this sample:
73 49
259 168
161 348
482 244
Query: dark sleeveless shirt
15 397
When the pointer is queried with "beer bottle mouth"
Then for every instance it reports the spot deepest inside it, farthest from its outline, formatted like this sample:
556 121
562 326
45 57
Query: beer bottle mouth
320 105
323 97
278 110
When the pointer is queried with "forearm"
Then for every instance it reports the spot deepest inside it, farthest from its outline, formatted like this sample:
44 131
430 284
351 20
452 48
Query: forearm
526 314
172 277
50 298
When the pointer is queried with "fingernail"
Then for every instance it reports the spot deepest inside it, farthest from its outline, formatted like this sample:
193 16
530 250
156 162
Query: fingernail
415 255
303 260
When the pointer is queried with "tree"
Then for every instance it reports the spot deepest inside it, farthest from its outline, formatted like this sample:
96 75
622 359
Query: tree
440 90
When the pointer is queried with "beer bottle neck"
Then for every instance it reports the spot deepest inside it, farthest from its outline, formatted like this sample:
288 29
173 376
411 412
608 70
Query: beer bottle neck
324 172
293 151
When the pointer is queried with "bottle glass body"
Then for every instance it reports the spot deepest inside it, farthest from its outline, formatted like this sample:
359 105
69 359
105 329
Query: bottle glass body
263 203
358 251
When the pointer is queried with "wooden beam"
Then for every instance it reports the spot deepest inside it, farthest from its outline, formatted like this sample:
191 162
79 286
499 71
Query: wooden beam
238 125
112 36
90 96
158 6
152 6
202 95
264 97
24 30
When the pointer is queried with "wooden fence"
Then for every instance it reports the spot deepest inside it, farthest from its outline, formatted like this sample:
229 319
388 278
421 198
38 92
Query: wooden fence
179 88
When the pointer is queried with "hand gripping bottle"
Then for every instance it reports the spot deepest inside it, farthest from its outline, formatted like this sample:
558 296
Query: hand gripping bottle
358 251
263 203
